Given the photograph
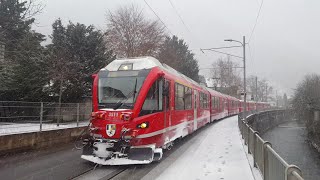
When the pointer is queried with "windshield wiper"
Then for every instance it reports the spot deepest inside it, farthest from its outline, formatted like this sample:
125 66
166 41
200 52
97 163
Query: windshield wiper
134 90
119 104
103 105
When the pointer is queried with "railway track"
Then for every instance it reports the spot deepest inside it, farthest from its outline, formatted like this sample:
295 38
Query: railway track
137 172
100 173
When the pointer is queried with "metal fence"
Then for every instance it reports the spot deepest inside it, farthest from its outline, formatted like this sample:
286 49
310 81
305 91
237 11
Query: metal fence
18 116
269 163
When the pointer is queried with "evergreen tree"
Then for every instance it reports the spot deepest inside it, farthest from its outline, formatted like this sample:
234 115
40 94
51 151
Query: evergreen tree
175 53
76 52
22 72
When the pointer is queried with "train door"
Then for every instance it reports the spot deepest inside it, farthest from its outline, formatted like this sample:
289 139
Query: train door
195 110
167 103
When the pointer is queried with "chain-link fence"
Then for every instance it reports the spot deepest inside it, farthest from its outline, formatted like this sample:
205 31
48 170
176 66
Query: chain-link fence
18 116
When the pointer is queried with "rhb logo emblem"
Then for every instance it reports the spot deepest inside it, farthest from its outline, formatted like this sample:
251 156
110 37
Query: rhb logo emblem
111 129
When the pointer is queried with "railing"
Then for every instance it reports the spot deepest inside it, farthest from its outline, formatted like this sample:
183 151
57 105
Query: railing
269 163
19 117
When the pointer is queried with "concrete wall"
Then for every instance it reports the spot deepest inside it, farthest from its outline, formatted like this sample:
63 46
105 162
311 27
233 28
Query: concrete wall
37 140
263 121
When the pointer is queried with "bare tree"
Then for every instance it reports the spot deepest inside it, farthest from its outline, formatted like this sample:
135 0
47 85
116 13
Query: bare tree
263 91
306 102
224 72
130 34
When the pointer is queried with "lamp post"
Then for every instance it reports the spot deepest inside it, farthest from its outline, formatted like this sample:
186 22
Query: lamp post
244 74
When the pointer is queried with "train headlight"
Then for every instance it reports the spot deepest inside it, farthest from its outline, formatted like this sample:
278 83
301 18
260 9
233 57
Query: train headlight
125 116
143 125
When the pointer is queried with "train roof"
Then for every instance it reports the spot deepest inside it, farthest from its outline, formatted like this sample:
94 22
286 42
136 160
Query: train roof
138 63
147 62
216 92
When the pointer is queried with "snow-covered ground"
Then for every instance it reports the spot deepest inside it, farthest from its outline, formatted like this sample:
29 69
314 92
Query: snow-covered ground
219 154
17 128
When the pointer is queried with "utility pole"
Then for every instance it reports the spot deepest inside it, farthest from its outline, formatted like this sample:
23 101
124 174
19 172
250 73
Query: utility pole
266 92
276 98
256 89
243 43
244 79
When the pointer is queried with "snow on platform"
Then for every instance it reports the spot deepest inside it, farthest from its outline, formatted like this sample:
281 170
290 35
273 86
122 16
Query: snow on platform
18 128
218 154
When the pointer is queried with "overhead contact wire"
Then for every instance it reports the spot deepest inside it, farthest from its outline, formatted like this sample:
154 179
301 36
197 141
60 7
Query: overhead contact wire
254 27
157 16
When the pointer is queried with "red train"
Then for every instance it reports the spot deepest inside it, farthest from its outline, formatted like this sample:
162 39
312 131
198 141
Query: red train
140 107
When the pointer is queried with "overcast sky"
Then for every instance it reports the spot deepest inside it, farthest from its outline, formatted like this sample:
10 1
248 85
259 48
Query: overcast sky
285 45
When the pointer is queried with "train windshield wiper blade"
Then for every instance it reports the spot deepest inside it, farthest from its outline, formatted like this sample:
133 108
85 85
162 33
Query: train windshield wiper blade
130 94
120 103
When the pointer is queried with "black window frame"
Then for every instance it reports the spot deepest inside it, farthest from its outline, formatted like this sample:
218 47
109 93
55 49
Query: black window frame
158 93
182 100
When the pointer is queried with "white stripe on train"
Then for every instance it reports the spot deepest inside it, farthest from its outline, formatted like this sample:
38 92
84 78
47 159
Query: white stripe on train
183 124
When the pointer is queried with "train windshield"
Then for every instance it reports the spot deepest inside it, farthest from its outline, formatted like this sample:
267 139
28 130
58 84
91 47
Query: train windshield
116 91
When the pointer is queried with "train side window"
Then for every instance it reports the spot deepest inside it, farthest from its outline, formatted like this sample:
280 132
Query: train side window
207 101
153 101
179 97
201 100
213 102
204 100
187 98
224 104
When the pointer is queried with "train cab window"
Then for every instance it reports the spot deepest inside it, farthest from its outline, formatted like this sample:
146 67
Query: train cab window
153 101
